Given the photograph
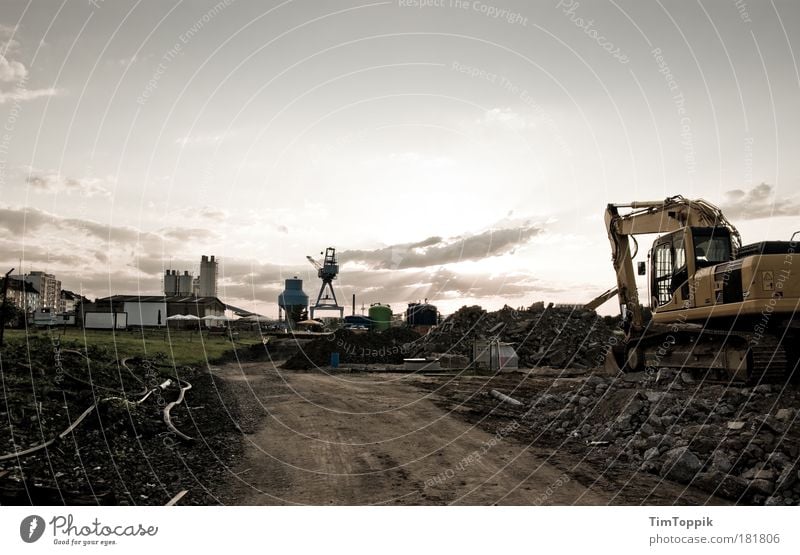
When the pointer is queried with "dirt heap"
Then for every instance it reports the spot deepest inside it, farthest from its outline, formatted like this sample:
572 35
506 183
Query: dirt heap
385 347
542 336
121 452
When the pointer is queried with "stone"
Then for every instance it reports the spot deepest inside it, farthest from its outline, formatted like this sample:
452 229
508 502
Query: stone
634 377
720 463
655 420
665 375
583 401
704 445
736 425
721 484
650 453
724 410
680 465
784 414
687 378
788 478
764 474
594 381
654 396
761 487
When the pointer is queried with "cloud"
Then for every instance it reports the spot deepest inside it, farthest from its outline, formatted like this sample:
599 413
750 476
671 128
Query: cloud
21 94
213 213
101 259
11 71
55 183
186 233
759 202
506 118
436 251
201 139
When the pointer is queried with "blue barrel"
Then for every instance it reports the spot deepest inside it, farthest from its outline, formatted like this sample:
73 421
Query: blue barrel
334 360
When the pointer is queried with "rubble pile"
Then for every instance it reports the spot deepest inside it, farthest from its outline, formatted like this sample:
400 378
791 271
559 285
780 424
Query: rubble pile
738 443
121 452
542 336
390 346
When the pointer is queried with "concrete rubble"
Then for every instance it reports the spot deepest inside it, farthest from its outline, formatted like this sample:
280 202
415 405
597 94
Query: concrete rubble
542 335
738 443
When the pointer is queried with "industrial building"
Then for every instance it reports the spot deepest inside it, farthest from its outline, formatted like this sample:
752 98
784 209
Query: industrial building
120 311
204 285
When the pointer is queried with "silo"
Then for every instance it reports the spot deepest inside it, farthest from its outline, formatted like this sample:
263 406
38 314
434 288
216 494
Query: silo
170 282
381 316
421 314
293 301
185 283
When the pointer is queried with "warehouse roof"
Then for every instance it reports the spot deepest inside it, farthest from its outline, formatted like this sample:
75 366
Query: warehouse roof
159 299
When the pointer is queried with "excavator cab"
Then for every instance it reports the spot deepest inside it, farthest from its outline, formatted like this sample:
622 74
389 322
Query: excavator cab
719 309
676 256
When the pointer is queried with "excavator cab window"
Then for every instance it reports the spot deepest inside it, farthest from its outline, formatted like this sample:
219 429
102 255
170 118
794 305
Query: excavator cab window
669 268
662 272
712 245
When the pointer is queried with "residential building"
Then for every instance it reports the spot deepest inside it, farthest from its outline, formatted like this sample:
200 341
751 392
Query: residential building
47 285
22 294
69 300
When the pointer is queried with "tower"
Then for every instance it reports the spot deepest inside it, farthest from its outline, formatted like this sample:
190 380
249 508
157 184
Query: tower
207 283
327 272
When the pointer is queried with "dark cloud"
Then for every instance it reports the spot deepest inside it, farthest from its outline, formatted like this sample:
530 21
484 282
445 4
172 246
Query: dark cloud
436 251
758 202
17 220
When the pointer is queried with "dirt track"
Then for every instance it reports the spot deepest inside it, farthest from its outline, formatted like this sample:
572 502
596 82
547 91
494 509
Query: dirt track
359 439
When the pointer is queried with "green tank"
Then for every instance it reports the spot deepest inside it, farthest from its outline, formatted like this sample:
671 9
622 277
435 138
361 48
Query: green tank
381 316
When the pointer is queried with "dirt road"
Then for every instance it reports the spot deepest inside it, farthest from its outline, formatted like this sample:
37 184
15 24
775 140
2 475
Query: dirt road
373 439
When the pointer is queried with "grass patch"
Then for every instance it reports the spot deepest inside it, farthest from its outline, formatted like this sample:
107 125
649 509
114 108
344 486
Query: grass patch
183 348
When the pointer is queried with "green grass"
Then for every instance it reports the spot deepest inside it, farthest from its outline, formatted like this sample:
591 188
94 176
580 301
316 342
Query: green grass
182 347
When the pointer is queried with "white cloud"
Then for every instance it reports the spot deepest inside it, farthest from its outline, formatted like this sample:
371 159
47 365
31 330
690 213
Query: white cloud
11 71
56 183
200 139
506 118
22 94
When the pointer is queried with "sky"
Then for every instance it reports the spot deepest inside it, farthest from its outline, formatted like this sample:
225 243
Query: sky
462 152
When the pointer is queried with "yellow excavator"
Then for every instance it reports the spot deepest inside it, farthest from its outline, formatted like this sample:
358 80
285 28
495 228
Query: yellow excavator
719 309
